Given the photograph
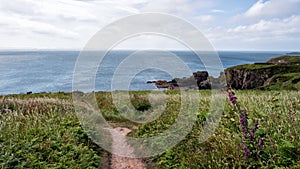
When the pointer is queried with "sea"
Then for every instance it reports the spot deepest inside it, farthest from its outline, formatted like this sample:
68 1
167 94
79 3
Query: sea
53 71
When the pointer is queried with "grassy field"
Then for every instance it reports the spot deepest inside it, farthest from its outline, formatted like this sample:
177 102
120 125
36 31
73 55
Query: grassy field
42 131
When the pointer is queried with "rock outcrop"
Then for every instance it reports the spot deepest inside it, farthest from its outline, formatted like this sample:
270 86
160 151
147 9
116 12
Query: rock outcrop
238 78
276 73
262 75
199 80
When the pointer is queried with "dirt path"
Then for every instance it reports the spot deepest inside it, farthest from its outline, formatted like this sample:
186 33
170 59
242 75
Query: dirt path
119 146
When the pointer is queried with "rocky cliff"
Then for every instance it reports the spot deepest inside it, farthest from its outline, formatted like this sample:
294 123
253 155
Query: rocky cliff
199 80
277 71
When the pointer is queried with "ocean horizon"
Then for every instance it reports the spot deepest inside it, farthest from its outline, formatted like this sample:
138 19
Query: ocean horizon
52 70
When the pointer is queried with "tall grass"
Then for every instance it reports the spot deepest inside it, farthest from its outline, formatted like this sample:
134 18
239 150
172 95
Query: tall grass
278 114
42 131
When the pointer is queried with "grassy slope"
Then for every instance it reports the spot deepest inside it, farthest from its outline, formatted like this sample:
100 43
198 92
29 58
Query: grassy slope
285 59
43 133
46 133
278 115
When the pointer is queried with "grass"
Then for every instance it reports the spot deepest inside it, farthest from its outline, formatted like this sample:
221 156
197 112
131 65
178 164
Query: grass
278 114
288 81
285 59
278 65
274 68
42 131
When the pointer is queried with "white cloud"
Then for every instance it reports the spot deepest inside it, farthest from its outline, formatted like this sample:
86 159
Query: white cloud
274 27
270 19
22 25
256 9
269 9
182 8
217 11
267 24
70 23
56 23
205 18
150 42
273 34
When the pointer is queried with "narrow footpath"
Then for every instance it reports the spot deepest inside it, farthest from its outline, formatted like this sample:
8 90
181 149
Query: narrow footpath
119 146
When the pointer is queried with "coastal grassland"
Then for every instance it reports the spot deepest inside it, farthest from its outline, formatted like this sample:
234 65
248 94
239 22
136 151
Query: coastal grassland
42 130
288 81
278 114
274 68
285 59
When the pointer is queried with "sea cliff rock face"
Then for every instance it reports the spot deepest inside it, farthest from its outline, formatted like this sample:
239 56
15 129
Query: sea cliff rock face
246 79
276 73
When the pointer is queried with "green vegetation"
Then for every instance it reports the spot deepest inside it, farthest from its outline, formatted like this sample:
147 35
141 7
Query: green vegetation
280 73
285 59
274 68
278 115
253 66
42 131
288 81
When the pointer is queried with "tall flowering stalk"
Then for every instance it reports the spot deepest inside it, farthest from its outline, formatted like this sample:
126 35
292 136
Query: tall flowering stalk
251 143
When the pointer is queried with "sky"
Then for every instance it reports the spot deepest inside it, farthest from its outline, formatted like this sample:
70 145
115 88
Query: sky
271 25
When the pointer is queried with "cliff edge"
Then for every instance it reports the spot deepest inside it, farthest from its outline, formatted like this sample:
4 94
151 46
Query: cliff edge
277 73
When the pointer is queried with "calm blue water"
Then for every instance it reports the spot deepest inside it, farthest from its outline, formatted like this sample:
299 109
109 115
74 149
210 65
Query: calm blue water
52 71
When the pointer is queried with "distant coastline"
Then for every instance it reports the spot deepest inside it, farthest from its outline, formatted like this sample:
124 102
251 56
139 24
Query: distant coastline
277 73
52 71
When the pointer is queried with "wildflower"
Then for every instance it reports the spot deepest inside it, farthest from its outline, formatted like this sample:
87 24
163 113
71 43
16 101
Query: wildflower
247 153
248 150
252 135
254 129
244 123
232 98
248 141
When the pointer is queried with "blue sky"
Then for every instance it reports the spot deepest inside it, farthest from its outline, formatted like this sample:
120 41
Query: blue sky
228 24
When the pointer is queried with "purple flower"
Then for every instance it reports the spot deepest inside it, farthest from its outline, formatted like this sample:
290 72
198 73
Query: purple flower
232 98
247 153
254 129
244 123
252 135
244 129
248 141
245 115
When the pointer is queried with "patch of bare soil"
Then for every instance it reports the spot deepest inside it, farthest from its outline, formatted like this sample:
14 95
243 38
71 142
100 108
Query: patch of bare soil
121 147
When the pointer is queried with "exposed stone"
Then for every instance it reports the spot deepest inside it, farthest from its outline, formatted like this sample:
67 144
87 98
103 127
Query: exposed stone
250 76
246 79
192 82
260 75
204 85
